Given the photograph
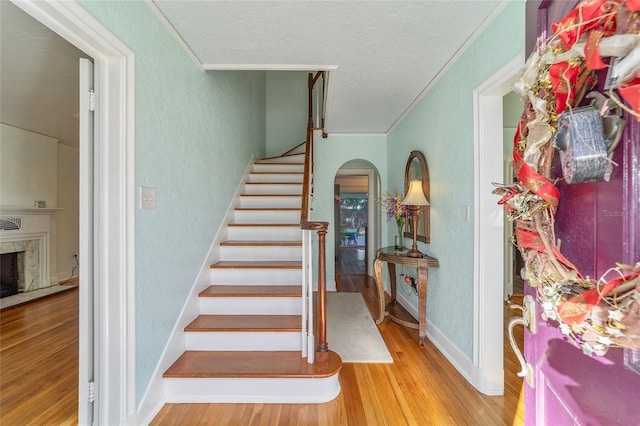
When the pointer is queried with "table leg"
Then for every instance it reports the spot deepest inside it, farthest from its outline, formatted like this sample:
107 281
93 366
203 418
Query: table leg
377 267
422 302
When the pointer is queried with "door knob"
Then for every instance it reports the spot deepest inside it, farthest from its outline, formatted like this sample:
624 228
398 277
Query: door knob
528 320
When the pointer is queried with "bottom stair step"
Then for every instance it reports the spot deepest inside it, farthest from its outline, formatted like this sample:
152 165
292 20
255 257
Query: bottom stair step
207 364
251 377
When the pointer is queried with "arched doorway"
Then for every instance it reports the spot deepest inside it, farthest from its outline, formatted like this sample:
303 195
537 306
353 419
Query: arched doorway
356 189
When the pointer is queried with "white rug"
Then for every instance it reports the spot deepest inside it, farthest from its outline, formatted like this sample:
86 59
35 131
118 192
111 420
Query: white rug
352 332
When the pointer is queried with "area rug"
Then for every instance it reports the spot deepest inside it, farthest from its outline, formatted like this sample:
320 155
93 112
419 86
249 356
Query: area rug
352 332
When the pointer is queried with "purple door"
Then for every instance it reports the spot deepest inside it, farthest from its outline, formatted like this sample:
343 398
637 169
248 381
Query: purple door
598 225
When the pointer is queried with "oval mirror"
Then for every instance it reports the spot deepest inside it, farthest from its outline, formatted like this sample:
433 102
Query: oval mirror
417 168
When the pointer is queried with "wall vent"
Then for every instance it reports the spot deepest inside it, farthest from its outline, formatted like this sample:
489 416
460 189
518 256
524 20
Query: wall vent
10 223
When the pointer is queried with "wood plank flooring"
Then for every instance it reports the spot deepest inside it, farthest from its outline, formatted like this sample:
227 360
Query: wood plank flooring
39 362
421 387
38 379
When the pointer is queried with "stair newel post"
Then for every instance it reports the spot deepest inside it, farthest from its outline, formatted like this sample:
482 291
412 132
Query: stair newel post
322 352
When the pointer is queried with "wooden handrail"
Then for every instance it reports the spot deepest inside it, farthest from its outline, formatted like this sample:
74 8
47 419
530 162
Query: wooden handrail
322 349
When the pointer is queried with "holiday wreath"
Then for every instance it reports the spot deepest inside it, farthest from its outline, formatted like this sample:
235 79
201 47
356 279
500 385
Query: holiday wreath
595 314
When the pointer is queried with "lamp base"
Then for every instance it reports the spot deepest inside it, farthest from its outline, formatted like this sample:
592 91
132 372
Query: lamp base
414 253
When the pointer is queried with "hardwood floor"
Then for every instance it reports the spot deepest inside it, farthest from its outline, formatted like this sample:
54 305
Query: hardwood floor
348 263
38 379
421 387
39 362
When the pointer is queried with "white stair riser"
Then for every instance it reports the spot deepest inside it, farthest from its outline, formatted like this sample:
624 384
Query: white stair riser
243 341
266 233
250 305
276 177
293 158
284 168
268 188
266 216
258 201
256 276
264 390
260 253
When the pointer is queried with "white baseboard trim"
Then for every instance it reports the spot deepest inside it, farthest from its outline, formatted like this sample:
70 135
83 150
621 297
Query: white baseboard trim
154 397
459 360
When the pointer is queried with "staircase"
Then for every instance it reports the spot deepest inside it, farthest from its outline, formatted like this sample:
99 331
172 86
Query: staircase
246 345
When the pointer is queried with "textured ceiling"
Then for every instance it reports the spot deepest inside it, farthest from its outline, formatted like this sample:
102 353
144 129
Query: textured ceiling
386 52
383 54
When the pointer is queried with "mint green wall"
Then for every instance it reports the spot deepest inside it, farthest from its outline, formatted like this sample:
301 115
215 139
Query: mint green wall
195 134
330 155
441 126
287 110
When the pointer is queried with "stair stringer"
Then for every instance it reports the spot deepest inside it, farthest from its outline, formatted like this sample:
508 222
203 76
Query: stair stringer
155 395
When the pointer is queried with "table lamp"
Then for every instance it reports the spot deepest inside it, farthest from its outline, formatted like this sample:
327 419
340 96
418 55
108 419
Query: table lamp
414 200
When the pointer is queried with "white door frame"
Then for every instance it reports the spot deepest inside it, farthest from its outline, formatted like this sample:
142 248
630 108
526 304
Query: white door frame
372 226
488 374
113 236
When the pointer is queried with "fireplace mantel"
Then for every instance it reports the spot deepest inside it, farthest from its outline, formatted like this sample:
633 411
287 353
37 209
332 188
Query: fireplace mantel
27 210
33 238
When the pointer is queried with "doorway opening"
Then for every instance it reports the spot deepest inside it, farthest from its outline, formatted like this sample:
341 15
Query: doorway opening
512 107
107 242
357 230
488 229
351 211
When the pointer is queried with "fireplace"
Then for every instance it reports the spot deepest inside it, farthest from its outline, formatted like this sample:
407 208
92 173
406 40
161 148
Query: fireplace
24 250
10 273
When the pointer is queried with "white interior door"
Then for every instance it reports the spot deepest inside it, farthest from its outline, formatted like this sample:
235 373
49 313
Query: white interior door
86 352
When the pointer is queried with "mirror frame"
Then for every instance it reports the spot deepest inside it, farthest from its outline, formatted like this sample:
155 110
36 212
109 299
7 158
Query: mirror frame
424 222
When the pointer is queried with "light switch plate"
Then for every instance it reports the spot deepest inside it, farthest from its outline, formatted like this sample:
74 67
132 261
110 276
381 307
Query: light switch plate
147 198
465 213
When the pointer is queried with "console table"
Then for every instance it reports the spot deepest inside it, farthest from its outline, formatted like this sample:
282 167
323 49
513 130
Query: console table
393 258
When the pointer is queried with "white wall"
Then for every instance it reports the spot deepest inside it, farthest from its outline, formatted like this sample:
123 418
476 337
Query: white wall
38 167
67 220
28 168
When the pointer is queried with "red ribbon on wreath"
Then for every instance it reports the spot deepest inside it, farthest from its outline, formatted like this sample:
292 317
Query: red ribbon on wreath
576 309
630 92
533 180
533 241
564 78
588 15
633 5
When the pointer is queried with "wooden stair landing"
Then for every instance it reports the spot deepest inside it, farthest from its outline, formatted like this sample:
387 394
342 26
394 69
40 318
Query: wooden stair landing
251 364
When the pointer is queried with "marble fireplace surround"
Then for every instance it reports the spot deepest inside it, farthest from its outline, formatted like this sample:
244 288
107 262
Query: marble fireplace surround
32 240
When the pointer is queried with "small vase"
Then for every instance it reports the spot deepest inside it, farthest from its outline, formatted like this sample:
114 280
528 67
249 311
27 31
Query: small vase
398 242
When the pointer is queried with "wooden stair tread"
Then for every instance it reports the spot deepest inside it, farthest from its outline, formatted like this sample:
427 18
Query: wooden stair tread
256 264
276 173
264 224
273 183
245 323
282 163
271 195
250 364
262 209
246 243
252 291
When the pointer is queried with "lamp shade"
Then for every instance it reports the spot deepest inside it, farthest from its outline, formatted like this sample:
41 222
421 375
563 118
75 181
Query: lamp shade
415 195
